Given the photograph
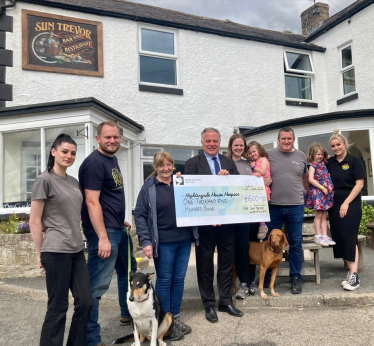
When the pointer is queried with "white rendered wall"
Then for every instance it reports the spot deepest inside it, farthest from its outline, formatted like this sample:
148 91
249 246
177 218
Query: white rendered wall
226 82
359 32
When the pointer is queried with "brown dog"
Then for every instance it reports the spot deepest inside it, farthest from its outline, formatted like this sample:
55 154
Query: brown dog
268 255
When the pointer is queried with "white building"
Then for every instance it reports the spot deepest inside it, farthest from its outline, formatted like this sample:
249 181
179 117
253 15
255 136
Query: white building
166 75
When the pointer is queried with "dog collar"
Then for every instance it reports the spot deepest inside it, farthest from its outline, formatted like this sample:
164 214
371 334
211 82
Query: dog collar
275 250
143 299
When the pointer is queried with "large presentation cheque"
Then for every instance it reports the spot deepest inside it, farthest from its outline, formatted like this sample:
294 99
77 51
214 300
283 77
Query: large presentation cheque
216 199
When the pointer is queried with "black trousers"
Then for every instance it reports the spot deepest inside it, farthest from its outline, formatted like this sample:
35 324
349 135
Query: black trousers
224 237
244 233
66 271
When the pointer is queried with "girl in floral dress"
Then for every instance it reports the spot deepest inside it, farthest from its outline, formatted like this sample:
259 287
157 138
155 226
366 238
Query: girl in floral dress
320 194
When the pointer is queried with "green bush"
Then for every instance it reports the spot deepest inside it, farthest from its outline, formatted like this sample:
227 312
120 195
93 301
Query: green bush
367 215
10 226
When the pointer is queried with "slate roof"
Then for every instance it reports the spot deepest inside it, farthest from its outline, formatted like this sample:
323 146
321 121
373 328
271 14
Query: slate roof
339 17
160 16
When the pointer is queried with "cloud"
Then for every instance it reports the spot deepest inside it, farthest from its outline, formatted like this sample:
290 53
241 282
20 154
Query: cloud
276 15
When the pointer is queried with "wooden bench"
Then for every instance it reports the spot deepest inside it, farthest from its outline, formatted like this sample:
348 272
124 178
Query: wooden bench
306 271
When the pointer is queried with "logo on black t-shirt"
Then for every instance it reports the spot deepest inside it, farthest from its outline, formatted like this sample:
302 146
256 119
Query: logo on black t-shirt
117 177
345 167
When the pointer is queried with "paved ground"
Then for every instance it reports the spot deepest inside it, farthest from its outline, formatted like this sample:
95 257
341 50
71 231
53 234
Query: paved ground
21 320
329 292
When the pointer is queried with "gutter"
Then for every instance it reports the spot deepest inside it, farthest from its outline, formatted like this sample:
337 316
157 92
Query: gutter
364 113
301 45
346 16
71 104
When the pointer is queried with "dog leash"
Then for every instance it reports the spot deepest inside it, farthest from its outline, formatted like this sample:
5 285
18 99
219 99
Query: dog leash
128 256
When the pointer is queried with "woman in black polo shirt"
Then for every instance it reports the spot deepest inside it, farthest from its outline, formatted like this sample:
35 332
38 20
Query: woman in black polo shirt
347 174
169 245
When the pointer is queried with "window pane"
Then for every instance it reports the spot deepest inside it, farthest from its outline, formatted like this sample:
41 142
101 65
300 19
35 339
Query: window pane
268 146
147 169
50 136
155 70
150 152
31 173
347 57
298 88
31 159
298 61
360 146
157 41
197 152
306 142
180 157
349 81
21 154
29 185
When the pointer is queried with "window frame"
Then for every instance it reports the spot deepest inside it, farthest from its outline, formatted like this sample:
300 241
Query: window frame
300 76
174 57
346 69
288 69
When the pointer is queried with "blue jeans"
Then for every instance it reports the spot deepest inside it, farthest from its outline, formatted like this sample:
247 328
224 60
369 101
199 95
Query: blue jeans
171 267
101 272
293 217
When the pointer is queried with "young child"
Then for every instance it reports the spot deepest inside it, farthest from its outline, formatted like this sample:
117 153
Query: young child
261 165
320 195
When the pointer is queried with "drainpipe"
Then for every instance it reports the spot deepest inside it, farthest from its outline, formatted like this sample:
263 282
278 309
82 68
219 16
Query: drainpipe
6 56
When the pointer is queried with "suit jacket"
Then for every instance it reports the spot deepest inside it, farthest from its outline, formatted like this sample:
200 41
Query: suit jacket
199 165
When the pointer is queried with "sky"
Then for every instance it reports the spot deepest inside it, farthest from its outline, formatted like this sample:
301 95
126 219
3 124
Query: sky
276 15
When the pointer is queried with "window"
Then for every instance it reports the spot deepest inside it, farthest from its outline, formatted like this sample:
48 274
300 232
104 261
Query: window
306 142
268 146
22 163
347 70
158 59
359 141
298 68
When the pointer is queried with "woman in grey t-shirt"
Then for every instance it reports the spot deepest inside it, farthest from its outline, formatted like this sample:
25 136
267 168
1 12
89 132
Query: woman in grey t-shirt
56 202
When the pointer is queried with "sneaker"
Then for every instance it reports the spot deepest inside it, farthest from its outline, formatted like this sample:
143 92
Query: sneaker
243 291
125 321
262 231
184 328
176 334
296 286
317 239
353 283
324 241
331 242
253 288
347 278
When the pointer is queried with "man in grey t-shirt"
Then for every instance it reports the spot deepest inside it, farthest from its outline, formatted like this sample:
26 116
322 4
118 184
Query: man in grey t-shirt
289 172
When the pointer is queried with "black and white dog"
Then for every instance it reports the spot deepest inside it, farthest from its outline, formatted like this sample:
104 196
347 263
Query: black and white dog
150 321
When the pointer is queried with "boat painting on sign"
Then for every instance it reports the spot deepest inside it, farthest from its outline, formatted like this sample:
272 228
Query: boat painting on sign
60 44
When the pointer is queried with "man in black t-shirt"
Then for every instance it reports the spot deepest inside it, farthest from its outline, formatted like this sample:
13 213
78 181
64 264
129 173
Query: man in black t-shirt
103 220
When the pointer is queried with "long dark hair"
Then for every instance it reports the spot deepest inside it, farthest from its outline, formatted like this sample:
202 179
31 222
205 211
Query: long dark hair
62 138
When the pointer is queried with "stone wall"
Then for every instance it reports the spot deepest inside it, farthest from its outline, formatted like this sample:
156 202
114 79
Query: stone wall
18 257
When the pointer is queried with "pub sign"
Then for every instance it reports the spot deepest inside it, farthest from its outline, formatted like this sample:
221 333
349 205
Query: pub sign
54 43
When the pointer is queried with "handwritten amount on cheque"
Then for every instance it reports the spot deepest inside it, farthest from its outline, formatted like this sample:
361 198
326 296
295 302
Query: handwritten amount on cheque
207 201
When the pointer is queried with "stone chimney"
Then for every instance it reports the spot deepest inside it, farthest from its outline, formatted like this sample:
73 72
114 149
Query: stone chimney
313 17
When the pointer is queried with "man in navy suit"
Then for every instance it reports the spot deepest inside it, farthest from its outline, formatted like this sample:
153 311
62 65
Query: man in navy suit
210 162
